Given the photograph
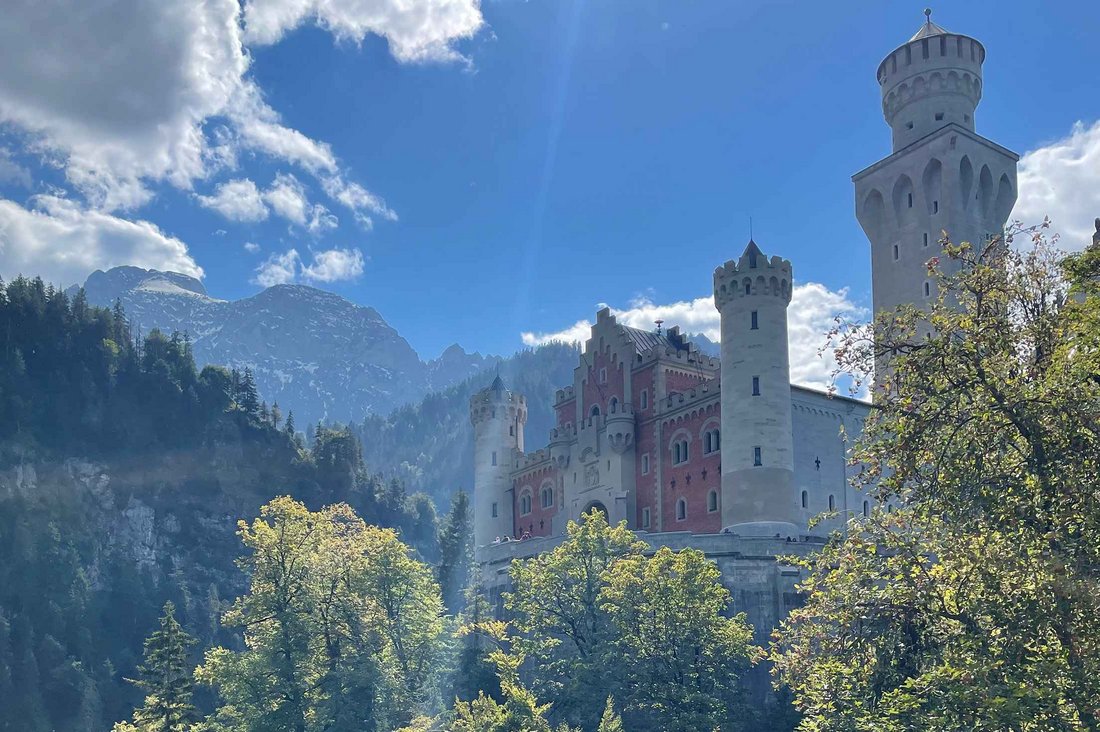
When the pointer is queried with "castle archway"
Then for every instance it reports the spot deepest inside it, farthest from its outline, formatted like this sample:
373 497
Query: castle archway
598 506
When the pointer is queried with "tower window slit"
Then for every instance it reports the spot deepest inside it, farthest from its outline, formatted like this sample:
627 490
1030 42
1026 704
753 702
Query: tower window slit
755 321
935 207
897 252
756 386
805 499
909 200
926 238
756 456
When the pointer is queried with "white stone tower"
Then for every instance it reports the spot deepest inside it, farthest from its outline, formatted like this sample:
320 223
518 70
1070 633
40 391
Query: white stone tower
498 417
758 488
941 176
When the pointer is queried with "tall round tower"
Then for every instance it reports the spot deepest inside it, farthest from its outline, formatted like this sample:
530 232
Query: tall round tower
498 417
758 489
932 80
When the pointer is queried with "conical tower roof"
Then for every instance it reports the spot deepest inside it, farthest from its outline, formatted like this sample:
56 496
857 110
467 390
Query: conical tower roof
498 385
929 29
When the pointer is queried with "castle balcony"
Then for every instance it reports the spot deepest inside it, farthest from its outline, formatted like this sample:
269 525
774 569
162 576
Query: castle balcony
620 427
561 440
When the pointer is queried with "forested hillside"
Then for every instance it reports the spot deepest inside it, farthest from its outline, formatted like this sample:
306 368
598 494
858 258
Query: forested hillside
429 446
123 471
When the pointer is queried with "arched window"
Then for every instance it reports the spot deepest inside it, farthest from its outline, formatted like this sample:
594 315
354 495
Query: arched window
711 441
712 501
680 452
595 410
613 405
547 496
805 499
525 504
681 509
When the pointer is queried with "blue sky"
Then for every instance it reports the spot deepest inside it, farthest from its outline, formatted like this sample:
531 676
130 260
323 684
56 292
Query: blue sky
478 172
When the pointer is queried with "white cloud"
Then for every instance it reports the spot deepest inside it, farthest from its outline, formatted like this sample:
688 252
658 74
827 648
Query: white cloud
287 198
334 265
416 31
810 316
357 198
127 94
279 269
1062 180
251 247
12 172
331 265
237 200
63 242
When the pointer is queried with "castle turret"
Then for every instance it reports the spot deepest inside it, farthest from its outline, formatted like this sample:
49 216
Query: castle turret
498 417
941 176
758 489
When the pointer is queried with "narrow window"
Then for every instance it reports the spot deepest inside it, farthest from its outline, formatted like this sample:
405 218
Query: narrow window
712 502
681 509
511 430
718 439
756 459
896 252
935 207
927 289
832 503
866 509
494 509
756 386
494 457
595 410
645 518
645 398
603 376
805 499
613 405
926 238
748 287
910 200
645 464
755 321
924 48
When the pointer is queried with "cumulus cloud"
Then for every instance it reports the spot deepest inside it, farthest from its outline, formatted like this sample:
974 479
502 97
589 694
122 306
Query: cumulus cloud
416 31
251 247
63 242
127 94
335 265
359 200
330 265
287 198
1062 180
810 316
237 200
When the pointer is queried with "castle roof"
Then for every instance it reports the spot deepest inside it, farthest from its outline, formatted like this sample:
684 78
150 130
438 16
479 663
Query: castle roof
644 340
929 29
498 385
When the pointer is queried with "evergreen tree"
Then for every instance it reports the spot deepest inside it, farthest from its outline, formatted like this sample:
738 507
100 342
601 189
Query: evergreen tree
249 399
610 721
289 426
276 414
166 679
456 549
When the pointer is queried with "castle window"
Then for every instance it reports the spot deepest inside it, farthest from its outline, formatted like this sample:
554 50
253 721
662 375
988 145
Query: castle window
832 503
547 497
494 457
805 499
712 501
910 200
645 399
897 252
926 238
645 464
939 116
757 459
525 504
755 321
908 125
680 452
748 287
866 508
595 410
927 288
935 207
494 509
966 118
613 405
511 430
712 441
924 48
681 509
645 518
756 386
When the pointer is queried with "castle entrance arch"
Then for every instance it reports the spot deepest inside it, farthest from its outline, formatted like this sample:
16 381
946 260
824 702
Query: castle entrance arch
598 506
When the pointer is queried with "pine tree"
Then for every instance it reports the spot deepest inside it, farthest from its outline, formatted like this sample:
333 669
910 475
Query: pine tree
249 399
289 426
276 414
166 677
455 552
610 721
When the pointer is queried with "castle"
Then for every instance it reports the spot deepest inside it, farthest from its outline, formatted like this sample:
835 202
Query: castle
725 454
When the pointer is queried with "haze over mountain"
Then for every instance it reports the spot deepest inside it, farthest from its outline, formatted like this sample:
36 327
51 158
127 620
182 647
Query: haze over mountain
312 351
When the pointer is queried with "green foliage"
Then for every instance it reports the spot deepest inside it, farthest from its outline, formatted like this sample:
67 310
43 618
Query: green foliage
976 605
341 626
456 552
166 679
610 721
597 615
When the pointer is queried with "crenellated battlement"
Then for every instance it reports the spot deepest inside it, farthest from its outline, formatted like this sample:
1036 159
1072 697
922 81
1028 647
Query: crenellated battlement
754 274
563 395
495 401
